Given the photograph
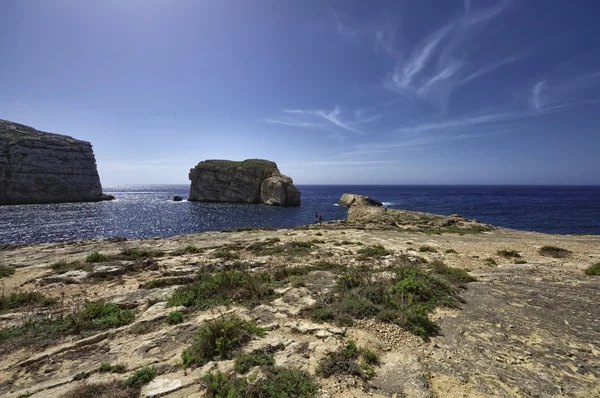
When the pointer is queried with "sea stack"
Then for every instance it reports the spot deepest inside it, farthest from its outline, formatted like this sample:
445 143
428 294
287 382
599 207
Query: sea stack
248 181
351 199
40 167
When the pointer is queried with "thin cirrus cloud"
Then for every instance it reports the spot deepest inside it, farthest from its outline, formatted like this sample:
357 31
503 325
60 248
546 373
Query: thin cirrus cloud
324 119
561 93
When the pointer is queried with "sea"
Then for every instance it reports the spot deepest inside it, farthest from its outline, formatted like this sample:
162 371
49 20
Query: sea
145 211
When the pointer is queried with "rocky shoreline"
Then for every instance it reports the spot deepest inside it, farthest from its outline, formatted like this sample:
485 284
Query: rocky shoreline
528 325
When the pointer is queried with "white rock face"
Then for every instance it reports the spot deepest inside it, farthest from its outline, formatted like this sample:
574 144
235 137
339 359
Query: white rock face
249 181
39 167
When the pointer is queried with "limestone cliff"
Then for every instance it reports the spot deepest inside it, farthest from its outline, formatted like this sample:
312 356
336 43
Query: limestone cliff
249 181
40 167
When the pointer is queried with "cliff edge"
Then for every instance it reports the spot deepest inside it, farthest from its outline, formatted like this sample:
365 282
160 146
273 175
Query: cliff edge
40 167
248 181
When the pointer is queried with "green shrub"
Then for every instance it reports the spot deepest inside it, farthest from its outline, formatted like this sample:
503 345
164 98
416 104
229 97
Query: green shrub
224 287
490 261
226 255
427 249
16 300
102 315
113 389
451 251
506 253
137 254
373 251
189 249
219 338
456 276
96 257
341 362
371 357
62 266
6 271
275 382
593 269
141 377
164 282
108 368
175 317
273 240
263 357
555 252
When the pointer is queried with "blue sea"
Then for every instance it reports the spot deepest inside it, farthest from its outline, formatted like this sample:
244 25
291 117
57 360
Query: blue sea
143 211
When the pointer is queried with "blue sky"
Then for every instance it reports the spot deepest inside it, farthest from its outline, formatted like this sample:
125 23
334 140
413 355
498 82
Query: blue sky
336 92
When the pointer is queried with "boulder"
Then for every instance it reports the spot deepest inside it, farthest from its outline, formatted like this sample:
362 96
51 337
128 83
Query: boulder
177 198
40 167
248 181
350 199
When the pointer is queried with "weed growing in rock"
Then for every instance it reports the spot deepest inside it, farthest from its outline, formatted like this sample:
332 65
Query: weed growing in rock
263 357
555 252
138 254
6 271
20 300
342 362
62 266
106 367
373 251
96 257
141 377
224 287
427 249
593 269
190 249
506 253
219 338
490 261
158 283
275 382
113 389
402 295
175 317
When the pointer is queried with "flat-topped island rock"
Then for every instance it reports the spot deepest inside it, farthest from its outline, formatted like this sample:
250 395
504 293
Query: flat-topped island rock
248 181
40 167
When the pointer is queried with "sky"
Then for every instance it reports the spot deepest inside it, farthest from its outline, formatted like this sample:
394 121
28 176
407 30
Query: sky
335 92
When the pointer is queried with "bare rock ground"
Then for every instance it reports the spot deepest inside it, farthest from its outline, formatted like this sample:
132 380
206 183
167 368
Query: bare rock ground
529 329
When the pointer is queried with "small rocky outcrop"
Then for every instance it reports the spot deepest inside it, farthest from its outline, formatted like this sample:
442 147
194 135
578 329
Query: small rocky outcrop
40 167
350 199
177 198
248 181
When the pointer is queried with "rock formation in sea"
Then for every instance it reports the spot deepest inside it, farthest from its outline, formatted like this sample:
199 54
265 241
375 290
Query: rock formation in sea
248 181
349 199
40 167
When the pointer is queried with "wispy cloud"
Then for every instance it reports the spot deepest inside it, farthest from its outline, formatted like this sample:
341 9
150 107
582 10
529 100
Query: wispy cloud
556 94
328 119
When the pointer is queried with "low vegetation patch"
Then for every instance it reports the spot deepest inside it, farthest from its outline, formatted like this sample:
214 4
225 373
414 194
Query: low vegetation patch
427 249
62 266
275 382
263 357
111 389
164 282
455 229
189 249
6 271
373 252
451 251
521 261
349 360
593 269
490 261
175 317
226 255
20 300
45 329
555 252
403 295
250 228
141 377
289 248
219 338
96 257
139 254
222 287
106 367
507 253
